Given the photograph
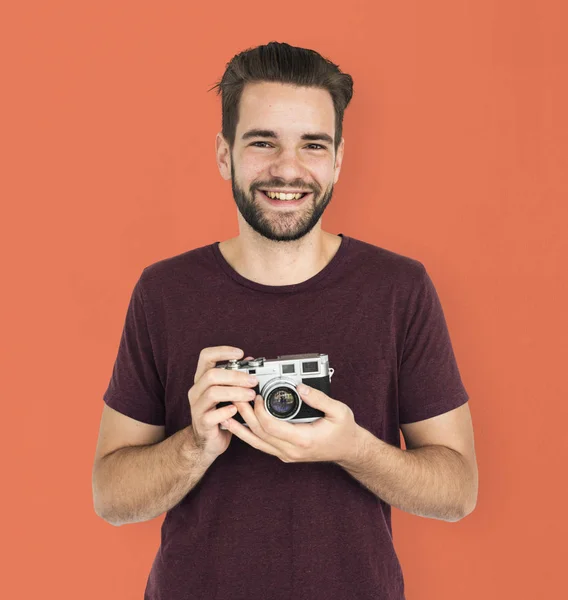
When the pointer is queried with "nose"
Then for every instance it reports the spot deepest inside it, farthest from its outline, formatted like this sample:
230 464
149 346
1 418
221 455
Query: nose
287 167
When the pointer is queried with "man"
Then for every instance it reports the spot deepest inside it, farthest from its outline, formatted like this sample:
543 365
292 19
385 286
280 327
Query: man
274 509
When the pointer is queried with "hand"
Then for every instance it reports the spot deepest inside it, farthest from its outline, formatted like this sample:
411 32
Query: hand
332 438
213 385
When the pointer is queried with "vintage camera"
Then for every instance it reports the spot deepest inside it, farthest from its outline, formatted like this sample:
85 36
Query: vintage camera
277 381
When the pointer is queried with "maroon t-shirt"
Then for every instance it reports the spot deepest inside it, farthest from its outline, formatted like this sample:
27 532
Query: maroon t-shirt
254 527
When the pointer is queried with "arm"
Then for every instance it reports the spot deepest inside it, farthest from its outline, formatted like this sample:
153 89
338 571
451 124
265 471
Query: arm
438 479
138 483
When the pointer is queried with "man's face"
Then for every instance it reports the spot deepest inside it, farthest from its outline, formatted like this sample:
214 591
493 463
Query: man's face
285 162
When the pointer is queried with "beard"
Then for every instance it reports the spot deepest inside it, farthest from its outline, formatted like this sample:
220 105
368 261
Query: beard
279 225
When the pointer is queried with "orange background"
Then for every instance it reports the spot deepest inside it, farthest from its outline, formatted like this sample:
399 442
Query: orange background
455 154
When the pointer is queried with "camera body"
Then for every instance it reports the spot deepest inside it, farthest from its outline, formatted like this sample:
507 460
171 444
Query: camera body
278 379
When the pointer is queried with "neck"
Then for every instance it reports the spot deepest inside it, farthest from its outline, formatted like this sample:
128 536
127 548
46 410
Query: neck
280 263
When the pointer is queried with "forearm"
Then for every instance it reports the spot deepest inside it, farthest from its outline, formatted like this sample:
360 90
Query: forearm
138 483
431 481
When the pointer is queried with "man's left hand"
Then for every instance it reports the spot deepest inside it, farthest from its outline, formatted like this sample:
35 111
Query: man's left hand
331 438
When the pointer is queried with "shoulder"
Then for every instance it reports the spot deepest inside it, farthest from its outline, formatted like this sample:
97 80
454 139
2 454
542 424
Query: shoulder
166 275
392 267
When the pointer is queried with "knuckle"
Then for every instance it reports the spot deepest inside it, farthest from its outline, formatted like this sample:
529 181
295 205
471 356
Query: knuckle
269 429
202 381
292 456
193 395
209 393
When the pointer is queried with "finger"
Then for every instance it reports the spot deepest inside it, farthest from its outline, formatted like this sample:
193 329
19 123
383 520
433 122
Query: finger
333 409
218 378
245 434
283 436
209 357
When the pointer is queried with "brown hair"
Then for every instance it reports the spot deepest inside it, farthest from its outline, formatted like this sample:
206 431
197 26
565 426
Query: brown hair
285 64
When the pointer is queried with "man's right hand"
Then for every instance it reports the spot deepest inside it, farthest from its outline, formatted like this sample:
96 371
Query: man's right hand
213 385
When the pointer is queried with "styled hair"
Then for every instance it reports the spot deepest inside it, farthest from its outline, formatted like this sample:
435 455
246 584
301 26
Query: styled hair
282 63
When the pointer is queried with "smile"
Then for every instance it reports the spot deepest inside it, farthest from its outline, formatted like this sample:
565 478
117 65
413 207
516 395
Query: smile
277 202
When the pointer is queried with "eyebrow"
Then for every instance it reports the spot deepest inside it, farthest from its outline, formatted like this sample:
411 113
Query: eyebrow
268 133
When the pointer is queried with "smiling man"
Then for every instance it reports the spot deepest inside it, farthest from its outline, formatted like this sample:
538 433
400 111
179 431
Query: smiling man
257 507
283 167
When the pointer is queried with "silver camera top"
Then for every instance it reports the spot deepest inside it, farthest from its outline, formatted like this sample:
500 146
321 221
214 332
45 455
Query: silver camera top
314 364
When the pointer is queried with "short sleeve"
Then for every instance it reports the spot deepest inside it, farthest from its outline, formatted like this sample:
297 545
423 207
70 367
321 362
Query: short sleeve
135 389
429 381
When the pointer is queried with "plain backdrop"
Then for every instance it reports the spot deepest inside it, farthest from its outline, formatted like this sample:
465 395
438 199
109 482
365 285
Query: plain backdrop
455 154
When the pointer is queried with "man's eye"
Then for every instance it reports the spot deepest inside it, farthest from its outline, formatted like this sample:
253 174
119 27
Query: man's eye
319 145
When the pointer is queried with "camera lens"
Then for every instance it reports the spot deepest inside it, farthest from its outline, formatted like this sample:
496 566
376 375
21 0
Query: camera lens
282 402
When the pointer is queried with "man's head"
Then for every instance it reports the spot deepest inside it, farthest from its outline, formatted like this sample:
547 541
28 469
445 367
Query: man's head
283 93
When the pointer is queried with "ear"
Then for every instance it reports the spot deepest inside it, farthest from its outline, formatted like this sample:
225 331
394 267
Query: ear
223 156
339 159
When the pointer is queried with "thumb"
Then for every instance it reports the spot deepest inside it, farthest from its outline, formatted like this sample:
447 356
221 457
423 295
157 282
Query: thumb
317 399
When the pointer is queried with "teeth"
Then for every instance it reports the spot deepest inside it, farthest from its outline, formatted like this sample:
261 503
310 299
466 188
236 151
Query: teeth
277 196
